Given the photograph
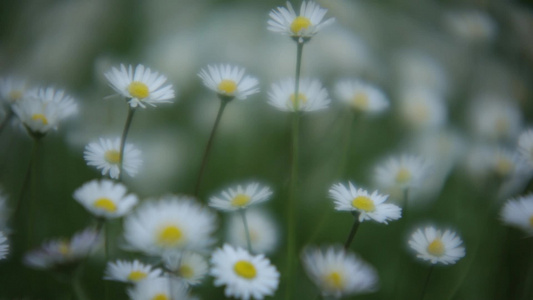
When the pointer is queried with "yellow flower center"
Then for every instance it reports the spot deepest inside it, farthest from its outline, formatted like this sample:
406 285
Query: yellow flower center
302 99
169 236
504 166
363 203
186 271
334 280
240 200
105 204
112 156
436 247
160 297
15 95
403 176
360 101
420 113
227 86
138 89
64 248
40 117
137 276
245 269
300 23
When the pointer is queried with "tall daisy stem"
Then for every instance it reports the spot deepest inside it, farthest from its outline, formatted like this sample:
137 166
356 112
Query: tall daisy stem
242 211
223 104
6 120
33 193
353 231
426 283
405 203
129 118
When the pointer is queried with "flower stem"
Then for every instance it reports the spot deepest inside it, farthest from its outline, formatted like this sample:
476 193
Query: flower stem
246 230
405 203
129 118
353 231
6 120
223 104
77 287
426 283
33 193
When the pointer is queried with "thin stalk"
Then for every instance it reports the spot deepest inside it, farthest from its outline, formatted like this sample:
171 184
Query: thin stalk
32 203
353 231
77 287
26 182
242 211
107 240
426 283
129 118
405 203
6 120
223 104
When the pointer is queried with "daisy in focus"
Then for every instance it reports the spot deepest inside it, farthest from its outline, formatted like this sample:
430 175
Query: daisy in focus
245 276
361 96
264 232
525 146
229 81
140 87
105 198
311 96
161 288
105 156
369 206
435 246
301 27
191 267
519 213
339 273
240 197
132 272
4 246
406 171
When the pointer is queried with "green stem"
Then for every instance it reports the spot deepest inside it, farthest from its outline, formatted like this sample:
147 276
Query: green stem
353 231
405 203
33 193
129 118
223 104
77 287
242 211
6 120
427 282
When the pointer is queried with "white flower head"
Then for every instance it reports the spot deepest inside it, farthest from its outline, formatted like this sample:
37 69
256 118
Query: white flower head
105 156
240 196
12 89
140 87
301 27
495 119
4 246
422 108
436 246
264 232
161 288
525 146
403 172
339 273
504 163
472 26
519 213
244 275
132 272
229 81
311 95
105 198
361 96
170 224
189 266
370 206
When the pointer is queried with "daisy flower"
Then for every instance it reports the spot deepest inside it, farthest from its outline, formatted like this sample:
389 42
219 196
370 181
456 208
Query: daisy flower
519 213
472 26
141 86
422 108
264 233
244 275
525 146
105 156
338 273
131 272
105 198
311 95
495 118
437 247
301 27
504 163
238 197
191 267
361 96
170 224
161 288
370 206
229 81
404 172
12 89
4 246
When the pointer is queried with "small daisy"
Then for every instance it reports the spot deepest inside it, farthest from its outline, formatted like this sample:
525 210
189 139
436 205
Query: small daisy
105 198
422 108
525 146
105 156
437 247
170 224
404 172
311 95
519 213
161 288
132 272
244 275
189 266
473 26
361 96
338 273
238 197
4 246
264 233
504 163
12 89
300 27
141 86
229 81
495 118
369 206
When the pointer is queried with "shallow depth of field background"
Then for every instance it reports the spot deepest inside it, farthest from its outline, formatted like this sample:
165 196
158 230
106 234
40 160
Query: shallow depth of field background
70 44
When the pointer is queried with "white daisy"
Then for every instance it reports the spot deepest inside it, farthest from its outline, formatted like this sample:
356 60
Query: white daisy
338 273
4 246
141 86
403 172
12 89
473 26
132 272
422 108
495 118
105 156
105 198
311 95
525 146
504 163
170 224
161 288
229 81
437 247
300 27
361 96
369 206
264 233
238 197
191 267
519 213
244 275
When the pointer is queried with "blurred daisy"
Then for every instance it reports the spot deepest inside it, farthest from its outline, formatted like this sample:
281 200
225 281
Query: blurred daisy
170 224
361 96
244 275
519 213
495 119
12 89
132 272
229 81
105 156
264 233
525 146
191 267
437 247
339 273
161 288
311 95
4 246
301 27
504 163
421 108
404 172
473 26
105 198
370 206
141 86
238 197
